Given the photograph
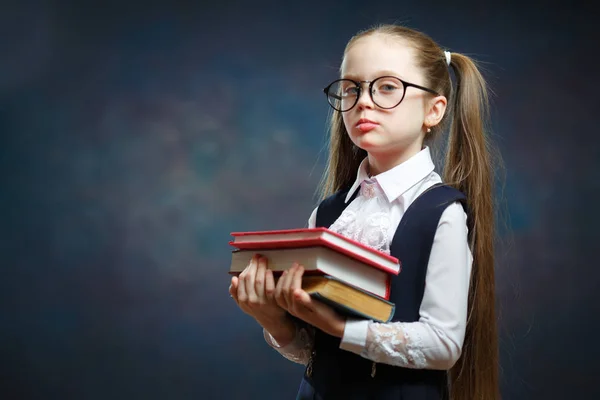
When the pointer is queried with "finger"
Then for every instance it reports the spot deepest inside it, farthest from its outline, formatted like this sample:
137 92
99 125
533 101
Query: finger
241 291
297 278
303 299
269 284
259 280
295 284
249 280
287 283
233 290
245 270
279 295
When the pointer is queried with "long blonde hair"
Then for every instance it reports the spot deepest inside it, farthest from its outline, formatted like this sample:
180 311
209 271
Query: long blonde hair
468 168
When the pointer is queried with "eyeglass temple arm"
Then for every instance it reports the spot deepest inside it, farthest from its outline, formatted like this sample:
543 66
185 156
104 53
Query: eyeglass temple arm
332 95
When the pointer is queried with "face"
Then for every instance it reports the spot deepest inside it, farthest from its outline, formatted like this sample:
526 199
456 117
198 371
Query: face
370 127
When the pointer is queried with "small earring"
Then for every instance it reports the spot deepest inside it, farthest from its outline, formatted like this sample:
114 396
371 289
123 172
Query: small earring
428 130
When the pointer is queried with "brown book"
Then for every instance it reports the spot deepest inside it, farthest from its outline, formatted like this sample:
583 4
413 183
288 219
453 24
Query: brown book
347 299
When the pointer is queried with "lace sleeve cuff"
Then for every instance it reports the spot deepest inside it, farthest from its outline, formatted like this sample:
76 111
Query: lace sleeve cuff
299 349
409 345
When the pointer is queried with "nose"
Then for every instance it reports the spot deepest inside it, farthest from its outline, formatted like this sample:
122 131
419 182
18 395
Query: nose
365 100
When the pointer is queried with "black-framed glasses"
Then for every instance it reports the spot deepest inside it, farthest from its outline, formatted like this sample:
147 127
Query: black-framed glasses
386 92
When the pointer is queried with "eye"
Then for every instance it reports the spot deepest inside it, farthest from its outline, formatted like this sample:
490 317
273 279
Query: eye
387 87
350 91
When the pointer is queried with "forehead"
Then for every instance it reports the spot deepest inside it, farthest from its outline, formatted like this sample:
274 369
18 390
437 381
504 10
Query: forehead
370 55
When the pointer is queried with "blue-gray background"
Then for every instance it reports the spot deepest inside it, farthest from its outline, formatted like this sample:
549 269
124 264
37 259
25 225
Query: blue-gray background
136 137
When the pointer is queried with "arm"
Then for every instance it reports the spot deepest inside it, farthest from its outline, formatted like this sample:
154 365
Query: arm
299 347
435 341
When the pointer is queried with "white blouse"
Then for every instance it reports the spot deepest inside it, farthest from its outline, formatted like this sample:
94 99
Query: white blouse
435 341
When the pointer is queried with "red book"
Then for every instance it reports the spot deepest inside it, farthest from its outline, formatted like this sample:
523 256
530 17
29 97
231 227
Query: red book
308 237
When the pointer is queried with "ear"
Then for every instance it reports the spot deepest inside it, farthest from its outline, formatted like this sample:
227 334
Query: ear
434 112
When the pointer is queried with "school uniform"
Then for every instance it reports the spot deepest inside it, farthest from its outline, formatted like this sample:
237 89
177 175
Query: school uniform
409 214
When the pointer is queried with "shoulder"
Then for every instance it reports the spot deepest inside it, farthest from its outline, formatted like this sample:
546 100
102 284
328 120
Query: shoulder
439 196
437 206
454 203
447 193
432 189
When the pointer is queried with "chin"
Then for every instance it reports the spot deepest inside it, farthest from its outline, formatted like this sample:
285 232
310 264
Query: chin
368 141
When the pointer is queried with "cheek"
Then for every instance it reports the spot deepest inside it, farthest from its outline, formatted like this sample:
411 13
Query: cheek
407 118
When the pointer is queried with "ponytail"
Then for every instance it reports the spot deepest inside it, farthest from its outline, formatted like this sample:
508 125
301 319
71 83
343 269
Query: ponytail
468 168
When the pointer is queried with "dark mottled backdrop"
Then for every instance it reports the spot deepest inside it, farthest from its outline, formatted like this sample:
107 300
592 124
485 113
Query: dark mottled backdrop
136 137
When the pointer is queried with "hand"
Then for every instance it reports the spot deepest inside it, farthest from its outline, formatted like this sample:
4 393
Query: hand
253 291
290 296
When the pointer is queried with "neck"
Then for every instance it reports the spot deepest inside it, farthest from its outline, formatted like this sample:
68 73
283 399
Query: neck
382 162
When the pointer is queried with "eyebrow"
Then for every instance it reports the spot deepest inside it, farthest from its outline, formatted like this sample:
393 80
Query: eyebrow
377 74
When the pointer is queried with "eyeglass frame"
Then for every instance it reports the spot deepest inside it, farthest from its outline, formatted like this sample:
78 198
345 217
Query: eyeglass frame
360 88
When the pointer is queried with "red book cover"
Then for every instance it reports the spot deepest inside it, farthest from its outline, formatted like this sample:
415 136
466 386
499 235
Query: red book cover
306 237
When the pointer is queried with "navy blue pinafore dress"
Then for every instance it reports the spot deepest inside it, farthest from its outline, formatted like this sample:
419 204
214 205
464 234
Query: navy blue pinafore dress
340 374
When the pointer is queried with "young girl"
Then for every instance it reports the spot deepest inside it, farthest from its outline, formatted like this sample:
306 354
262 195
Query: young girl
394 96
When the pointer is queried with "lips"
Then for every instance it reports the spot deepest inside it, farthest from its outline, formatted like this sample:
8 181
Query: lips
366 125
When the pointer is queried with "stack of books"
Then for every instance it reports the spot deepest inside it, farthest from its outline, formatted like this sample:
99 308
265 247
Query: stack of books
347 275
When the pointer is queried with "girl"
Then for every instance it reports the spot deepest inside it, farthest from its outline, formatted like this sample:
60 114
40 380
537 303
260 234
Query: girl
394 96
